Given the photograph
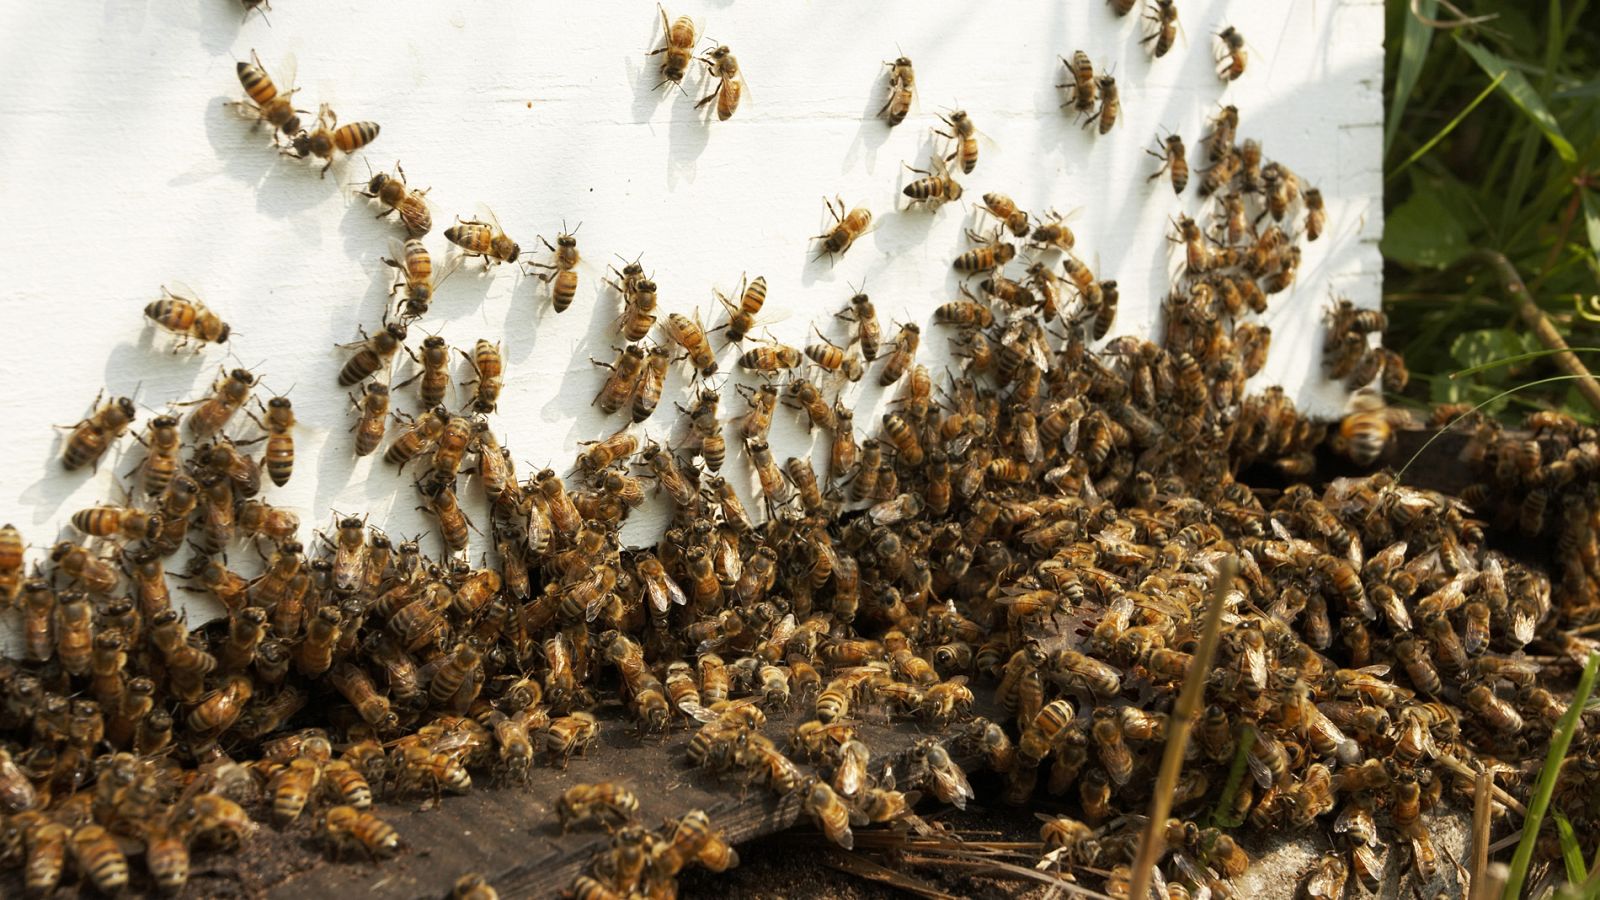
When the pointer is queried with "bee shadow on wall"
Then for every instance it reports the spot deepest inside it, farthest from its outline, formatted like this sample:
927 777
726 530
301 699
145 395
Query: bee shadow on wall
874 129
246 154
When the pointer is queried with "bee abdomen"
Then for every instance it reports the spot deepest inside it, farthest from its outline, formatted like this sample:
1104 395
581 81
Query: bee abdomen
256 83
355 135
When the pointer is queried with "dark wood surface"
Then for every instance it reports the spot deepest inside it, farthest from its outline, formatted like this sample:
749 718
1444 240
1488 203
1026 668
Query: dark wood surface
510 833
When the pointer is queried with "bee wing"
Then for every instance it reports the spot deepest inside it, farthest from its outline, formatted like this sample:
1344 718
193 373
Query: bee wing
180 291
283 75
660 601
851 777
954 781
485 214
676 592
697 712
397 252
453 740
1259 770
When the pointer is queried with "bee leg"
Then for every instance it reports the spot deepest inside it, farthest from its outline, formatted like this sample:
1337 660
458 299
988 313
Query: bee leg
327 167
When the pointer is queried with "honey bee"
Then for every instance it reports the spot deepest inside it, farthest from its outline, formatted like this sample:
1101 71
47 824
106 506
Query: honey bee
603 803
723 66
1316 213
903 352
964 134
373 408
742 318
836 359
267 103
90 438
570 734
391 191
678 45
831 815
1164 19
846 228
562 275
101 860
329 137
473 886
624 377
346 827
1042 730
935 187
183 314
868 335
423 435
1231 57
1110 105
357 687
489 367
1497 713
487 239
374 354
12 548
689 335
902 84
107 521
1006 210
1365 431
1053 233
1281 187
1173 162
1082 86
279 426
770 358
992 254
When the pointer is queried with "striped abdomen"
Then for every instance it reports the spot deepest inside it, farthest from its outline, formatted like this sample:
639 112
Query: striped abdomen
563 289
256 83
280 457
355 135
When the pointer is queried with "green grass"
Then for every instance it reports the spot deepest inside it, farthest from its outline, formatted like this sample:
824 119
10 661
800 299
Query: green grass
1543 789
1492 143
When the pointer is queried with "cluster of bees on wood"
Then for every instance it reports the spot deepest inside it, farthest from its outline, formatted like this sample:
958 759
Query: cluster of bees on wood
1047 521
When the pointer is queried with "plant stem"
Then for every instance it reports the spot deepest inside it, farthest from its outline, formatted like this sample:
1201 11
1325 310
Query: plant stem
1178 726
1560 740
1540 325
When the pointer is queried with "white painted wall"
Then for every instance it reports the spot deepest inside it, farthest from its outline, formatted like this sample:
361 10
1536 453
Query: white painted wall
121 170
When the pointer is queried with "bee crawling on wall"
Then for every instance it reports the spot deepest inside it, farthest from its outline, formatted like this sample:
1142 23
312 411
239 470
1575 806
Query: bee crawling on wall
722 65
329 138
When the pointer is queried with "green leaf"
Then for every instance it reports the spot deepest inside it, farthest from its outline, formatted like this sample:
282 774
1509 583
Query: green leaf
1571 853
1480 351
1591 220
1516 87
1414 43
1578 92
1449 127
1422 232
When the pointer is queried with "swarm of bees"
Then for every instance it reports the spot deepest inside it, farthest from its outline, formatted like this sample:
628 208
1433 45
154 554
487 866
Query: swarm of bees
1044 523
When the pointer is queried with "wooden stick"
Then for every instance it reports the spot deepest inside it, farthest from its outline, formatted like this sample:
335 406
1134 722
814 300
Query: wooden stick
1499 793
1480 834
1539 323
1179 724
